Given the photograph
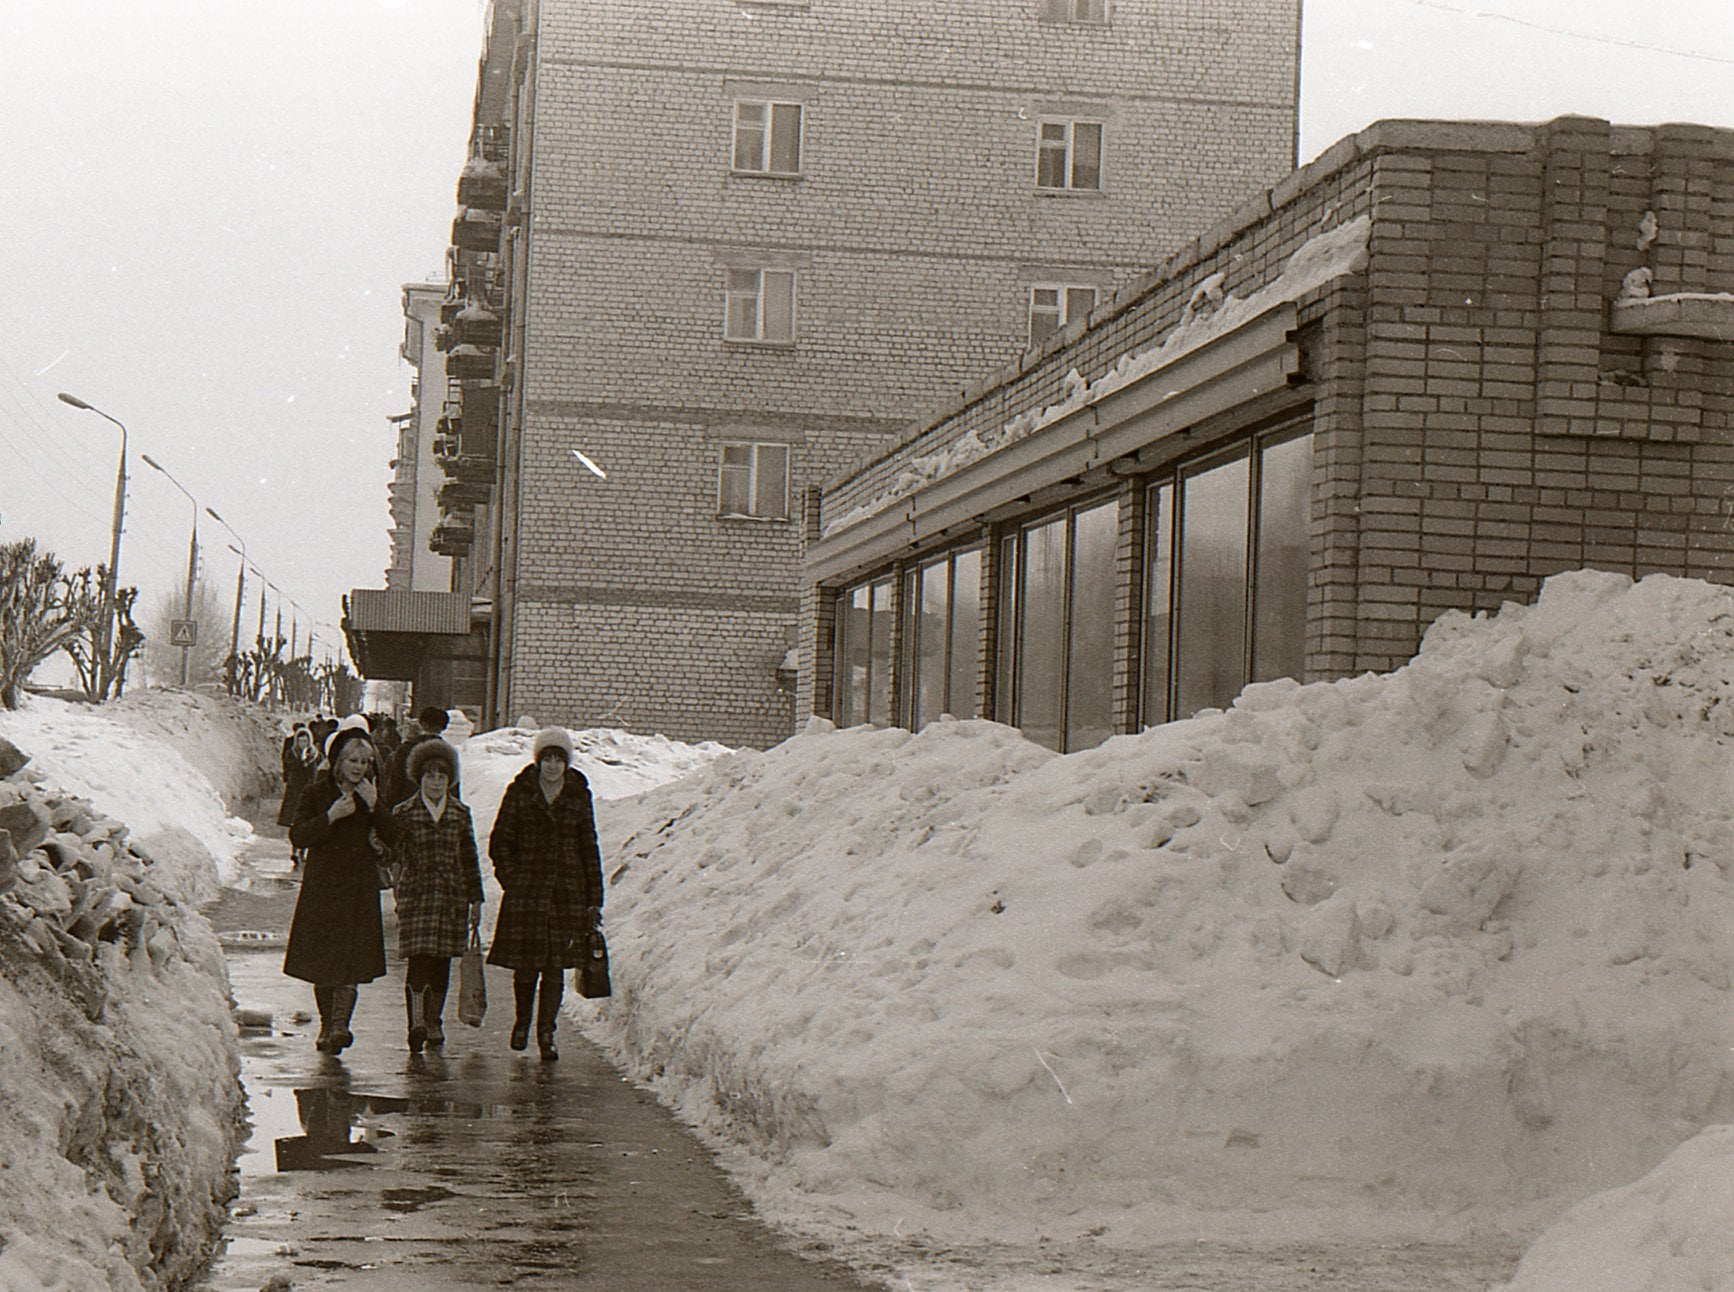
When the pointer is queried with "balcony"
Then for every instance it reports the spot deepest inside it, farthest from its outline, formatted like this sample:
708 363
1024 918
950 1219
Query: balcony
452 537
460 496
470 363
482 185
476 230
477 326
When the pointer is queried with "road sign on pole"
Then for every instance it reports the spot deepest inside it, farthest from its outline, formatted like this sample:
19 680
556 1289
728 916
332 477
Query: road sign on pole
183 632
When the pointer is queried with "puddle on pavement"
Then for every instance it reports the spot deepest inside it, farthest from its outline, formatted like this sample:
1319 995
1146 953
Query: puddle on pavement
327 1128
408 1200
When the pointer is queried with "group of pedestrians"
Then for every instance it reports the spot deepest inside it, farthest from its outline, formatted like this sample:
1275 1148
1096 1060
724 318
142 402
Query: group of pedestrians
364 821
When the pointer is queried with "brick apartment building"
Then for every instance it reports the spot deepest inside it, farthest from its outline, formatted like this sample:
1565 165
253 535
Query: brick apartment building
1422 373
724 250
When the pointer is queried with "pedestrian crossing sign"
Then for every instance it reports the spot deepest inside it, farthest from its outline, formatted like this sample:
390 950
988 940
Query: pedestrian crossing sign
183 632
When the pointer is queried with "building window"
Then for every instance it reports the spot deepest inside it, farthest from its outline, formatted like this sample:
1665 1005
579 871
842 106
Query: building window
760 305
1093 12
753 480
1225 562
941 626
1060 634
863 654
767 137
1069 155
1052 307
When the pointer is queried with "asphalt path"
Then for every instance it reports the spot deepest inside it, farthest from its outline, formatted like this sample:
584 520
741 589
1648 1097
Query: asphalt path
469 1167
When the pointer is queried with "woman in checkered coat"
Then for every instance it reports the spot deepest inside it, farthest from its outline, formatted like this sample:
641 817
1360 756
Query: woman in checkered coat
545 856
439 886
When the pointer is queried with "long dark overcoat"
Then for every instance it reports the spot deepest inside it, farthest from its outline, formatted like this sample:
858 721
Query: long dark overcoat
438 876
297 775
550 869
336 936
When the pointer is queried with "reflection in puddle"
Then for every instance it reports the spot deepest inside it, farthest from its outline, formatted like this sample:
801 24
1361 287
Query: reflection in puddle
333 1123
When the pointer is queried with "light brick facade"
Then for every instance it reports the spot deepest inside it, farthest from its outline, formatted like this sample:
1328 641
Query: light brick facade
1484 408
914 228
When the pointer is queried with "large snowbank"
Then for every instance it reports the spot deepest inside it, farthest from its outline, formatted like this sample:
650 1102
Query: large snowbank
120 1104
1409 953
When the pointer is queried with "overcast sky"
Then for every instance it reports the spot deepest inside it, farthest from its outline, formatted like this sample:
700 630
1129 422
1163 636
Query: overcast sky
212 207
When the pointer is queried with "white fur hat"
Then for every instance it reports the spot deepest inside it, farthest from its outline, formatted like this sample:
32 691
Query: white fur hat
354 722
551 738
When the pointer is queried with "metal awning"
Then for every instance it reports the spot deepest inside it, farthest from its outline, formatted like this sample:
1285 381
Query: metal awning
1222 373
390 633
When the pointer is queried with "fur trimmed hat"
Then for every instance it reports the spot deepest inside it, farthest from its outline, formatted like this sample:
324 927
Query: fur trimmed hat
424 753
349 729
551 738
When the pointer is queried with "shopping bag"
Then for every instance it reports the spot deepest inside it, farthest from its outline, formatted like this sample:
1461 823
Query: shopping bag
472 987
591 975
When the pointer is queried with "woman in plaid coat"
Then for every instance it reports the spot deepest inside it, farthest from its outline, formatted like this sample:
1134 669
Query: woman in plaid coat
439 886
545 856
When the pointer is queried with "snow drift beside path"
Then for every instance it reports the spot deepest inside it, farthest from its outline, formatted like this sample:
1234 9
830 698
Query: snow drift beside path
1403 953
166 763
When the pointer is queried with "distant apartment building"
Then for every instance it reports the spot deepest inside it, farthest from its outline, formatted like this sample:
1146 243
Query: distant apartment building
709 256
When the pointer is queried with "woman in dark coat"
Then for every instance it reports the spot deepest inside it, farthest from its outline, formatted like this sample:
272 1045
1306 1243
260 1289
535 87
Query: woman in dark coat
336 940
439 886
545 856
300 765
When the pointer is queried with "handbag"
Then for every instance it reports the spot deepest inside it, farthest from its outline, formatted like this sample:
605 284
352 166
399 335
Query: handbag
472 987
591 975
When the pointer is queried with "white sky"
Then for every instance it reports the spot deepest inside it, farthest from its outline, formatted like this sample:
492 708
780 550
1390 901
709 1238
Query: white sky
212 207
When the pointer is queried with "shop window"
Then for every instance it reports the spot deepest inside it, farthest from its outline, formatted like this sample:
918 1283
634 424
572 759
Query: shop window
863 654
767 137
1225 566
942 619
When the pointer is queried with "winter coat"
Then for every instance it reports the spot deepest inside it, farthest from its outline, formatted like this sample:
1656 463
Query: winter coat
296 776
438 876
550 868
336 936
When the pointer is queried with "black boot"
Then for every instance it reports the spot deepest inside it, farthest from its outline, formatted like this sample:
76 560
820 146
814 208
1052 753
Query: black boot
434 1005
322 1002
343 1007
548 1013
415 1010
524 997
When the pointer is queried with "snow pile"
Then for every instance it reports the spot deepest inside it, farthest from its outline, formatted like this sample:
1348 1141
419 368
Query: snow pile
165 762
1667 1231
1399 954
120 1103
1209 313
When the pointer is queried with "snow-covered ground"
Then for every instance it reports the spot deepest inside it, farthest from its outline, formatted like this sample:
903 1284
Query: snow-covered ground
1410 956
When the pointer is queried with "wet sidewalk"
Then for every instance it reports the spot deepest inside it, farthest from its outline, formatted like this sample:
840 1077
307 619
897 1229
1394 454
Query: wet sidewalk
469 1167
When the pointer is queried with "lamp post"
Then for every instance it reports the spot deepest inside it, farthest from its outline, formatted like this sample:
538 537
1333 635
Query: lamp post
192 567
105 669
240 582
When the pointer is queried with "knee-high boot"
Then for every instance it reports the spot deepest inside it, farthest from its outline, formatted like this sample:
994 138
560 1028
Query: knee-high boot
343 1008
433 1007
322 1002
548 1012
415 1008
524 997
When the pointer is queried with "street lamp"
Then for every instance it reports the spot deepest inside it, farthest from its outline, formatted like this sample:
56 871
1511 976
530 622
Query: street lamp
103 676
240 582
192 568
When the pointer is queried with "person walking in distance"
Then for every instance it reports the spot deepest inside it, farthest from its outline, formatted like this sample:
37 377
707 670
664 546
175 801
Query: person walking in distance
543 846
300 764
336 940
439 886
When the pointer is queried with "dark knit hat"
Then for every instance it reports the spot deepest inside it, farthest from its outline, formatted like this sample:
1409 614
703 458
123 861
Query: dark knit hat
424 752
433 719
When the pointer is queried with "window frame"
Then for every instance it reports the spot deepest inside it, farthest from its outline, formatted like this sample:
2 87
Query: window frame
1072 12
1063 303
756 449
767 138
733 293
1069 152
912 656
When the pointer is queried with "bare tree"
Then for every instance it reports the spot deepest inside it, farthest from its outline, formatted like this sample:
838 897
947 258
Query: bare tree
162 658
42 611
